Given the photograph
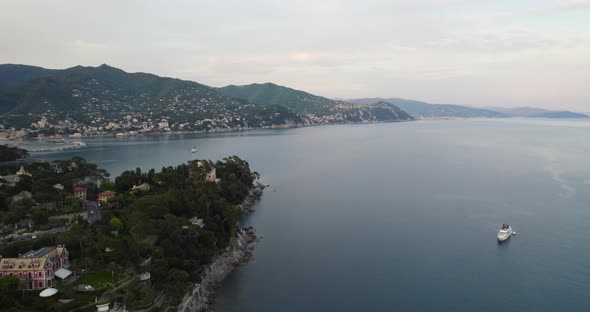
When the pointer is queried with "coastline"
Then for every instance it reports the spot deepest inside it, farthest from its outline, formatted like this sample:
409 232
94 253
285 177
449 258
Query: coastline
59 148
201 298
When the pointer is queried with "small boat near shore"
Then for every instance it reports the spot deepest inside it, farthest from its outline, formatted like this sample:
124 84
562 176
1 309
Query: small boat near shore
504 233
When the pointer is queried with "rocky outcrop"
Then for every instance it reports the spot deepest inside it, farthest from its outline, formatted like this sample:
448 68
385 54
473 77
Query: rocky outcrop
254 195
202 296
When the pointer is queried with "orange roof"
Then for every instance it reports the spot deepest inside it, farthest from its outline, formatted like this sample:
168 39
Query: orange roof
79 189
107 193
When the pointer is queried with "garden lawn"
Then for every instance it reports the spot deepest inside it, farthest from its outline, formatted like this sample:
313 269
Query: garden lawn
96 279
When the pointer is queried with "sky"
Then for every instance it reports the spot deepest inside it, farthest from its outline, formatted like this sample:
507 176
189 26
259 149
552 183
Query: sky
470 52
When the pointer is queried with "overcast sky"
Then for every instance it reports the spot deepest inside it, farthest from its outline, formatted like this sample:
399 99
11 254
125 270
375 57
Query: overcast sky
479 53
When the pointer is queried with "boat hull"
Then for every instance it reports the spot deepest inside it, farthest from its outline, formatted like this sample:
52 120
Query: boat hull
502 236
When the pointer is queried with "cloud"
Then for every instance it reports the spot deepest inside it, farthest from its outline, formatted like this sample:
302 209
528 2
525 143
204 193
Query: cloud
511 40
93 47
570 5
402 49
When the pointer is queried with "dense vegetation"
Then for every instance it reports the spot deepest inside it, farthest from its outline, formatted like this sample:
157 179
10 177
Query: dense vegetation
96 96
150 230
272 94
46 200
14 74
10 153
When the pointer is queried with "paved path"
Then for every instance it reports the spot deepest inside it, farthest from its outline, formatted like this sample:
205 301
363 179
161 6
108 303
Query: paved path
93 212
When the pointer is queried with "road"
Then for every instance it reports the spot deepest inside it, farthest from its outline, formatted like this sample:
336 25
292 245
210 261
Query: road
93 212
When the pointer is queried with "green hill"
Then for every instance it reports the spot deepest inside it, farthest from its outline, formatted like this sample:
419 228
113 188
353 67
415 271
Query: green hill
315 107
13 74
106 93
272 94
426 110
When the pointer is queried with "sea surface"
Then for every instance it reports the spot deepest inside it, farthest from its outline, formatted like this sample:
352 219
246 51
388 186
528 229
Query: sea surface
401 216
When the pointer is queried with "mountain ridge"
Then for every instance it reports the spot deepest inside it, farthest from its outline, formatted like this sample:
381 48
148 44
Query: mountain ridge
89 100
92 95
14 74
313 106
421 109
534 112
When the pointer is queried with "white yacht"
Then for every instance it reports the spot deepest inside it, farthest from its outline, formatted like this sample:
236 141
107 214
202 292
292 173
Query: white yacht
194 150
504 232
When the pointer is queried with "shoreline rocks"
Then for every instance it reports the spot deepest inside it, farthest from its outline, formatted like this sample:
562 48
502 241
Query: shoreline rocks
255 194
201 298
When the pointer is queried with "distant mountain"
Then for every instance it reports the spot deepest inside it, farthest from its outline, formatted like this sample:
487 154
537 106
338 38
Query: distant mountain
426 110
560 114
532 112
312 106
13 74
519 111
93 95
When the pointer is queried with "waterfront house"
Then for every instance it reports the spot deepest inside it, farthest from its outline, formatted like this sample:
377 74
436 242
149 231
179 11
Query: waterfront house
144 187
36 269
197 221
106 196
210 175
80 192
163 124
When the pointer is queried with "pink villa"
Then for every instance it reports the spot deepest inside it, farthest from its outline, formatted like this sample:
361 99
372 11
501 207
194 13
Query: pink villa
37 269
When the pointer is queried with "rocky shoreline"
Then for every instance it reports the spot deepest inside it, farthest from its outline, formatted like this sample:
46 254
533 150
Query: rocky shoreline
201 298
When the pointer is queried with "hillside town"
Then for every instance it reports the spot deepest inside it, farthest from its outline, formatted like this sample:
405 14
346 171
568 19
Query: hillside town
49 125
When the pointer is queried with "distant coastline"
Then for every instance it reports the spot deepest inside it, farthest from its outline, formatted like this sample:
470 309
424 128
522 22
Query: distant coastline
61 147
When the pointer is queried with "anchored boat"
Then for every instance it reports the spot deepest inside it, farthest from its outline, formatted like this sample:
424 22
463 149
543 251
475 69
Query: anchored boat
504 232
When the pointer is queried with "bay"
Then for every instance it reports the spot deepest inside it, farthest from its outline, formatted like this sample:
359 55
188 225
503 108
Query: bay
401 216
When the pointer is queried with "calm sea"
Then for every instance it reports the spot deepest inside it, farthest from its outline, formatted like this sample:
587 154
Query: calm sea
402 216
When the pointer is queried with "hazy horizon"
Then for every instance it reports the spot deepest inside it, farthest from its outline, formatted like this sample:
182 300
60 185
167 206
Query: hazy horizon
473 53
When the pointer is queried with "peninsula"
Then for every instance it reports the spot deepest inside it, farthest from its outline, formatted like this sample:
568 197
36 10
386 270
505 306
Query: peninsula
156 239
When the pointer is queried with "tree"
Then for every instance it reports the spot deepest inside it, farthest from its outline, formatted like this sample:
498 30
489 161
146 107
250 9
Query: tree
116 224
25 183
8 291
18 210
40 216
107 186
73 204
10 153
126 181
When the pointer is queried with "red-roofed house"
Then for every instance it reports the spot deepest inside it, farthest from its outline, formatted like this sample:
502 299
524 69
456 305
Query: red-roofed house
80 192
106 195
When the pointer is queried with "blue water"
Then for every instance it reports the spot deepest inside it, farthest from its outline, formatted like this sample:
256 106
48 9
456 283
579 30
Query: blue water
402 216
